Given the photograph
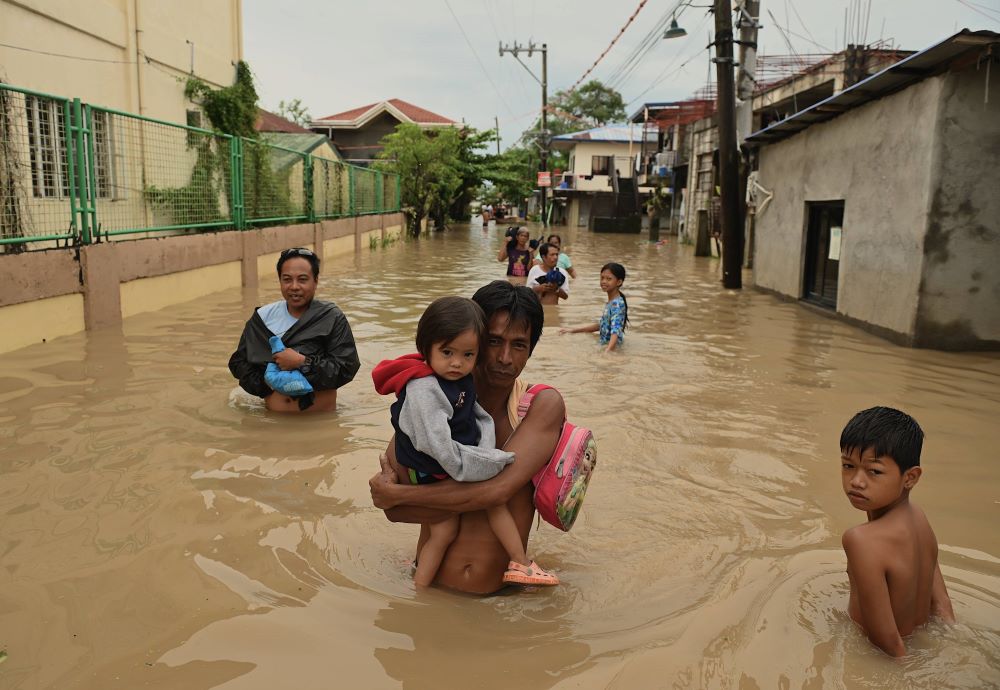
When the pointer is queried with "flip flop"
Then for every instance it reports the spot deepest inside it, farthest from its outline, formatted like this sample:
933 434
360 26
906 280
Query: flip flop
528 575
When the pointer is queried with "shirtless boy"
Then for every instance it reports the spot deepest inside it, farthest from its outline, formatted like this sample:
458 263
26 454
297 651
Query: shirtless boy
892 560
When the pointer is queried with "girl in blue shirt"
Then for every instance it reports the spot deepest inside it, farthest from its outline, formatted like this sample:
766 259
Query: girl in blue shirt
615 317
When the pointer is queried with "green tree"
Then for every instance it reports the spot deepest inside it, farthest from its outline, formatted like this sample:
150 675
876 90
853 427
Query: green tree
593 103
428 167
296 112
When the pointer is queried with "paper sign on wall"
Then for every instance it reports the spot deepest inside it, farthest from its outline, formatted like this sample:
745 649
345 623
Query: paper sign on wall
834 253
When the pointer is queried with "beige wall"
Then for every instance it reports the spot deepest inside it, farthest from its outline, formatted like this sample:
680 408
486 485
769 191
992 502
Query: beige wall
878 158
48 293
581 164
107 30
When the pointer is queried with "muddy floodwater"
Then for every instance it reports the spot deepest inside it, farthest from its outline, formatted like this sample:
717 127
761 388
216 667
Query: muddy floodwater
155 532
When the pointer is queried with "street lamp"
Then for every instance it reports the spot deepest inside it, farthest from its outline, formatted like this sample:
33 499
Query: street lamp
674 31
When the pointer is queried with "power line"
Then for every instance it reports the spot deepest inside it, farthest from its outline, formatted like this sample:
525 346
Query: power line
610 45
476 55
974 9
69 57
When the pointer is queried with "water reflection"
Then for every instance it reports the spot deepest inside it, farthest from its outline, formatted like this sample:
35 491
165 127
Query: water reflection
154 533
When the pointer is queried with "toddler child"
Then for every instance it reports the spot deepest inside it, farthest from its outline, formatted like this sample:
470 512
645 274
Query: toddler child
442 432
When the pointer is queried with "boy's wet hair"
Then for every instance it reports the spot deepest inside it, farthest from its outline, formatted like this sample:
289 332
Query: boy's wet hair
886 431
445 319
519 301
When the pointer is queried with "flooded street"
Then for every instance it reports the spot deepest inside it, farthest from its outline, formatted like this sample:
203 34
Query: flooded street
154 533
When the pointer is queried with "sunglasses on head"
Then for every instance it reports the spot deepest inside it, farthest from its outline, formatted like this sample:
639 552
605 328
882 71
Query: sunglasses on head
297 251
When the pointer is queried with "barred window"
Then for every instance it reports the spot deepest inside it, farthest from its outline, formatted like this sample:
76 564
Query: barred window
47 139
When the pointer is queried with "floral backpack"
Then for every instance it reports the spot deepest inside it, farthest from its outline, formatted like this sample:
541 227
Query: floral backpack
561 485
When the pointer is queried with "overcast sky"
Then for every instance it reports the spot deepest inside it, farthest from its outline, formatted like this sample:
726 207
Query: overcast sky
442 54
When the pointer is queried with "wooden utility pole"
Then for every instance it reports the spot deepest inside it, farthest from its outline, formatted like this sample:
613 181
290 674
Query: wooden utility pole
496 121
544 137
729 166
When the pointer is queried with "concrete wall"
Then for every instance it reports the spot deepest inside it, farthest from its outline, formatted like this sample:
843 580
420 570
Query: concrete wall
45 294
877 158
581 164
108 30
959 304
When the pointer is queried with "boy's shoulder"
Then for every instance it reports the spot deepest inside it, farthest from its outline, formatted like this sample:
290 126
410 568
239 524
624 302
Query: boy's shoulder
882 536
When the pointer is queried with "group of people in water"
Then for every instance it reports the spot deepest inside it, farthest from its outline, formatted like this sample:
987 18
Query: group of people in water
463 455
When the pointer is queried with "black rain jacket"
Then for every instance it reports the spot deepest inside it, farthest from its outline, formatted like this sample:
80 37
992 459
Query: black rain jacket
322 334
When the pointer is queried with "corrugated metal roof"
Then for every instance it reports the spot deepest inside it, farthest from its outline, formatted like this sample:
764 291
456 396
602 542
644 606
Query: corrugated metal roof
902 74
303 143
609 134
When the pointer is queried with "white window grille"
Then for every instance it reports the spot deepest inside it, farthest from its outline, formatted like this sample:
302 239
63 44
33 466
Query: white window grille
47 147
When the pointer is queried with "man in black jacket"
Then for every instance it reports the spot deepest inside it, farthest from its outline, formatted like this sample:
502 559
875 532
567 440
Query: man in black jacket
317 337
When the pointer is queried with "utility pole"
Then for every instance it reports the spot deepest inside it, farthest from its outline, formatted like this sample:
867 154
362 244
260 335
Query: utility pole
746 76
544 137
729 173
496 122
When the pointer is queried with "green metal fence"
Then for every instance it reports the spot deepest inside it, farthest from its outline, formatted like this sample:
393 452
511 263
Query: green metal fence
74 172
38 167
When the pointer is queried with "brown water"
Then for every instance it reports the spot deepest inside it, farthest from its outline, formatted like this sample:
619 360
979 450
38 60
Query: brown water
154 533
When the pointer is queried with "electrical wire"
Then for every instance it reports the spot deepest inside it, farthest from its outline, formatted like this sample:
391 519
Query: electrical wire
621 73
974 9
476 55
70 57
610 45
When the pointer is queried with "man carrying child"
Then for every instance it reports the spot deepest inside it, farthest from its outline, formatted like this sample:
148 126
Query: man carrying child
476 561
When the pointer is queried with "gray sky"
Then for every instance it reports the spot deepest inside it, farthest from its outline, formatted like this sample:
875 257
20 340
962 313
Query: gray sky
442 54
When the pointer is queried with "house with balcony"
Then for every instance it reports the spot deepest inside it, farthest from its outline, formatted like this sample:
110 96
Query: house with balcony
600 179
357 133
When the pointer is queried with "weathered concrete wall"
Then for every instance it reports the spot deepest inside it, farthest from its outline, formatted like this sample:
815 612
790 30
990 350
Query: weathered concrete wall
877 158
960 292
46 294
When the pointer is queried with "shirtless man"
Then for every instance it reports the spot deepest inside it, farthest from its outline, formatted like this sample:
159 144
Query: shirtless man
892 560
475 562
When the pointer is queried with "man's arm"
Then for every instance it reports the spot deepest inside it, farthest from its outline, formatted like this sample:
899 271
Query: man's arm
940 601
250 376
337 364
867 575
532 444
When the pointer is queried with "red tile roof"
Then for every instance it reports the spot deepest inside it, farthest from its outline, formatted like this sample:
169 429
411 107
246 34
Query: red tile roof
418 115
269 122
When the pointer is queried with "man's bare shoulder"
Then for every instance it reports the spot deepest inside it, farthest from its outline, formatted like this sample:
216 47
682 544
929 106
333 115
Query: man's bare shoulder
549 405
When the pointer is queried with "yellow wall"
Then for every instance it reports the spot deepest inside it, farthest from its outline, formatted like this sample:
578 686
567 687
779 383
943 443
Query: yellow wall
32 322
107 30
150 294
340 245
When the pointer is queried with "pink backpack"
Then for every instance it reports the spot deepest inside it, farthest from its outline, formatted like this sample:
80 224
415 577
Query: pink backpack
561 485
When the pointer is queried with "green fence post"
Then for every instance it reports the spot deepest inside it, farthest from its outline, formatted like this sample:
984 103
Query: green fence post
69 142
350 190
307 187
91 209
399 195
76 123
236 182
379 191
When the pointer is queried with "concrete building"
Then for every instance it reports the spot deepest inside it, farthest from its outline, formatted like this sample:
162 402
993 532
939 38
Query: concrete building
124 54
357 133
885 199
595 155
